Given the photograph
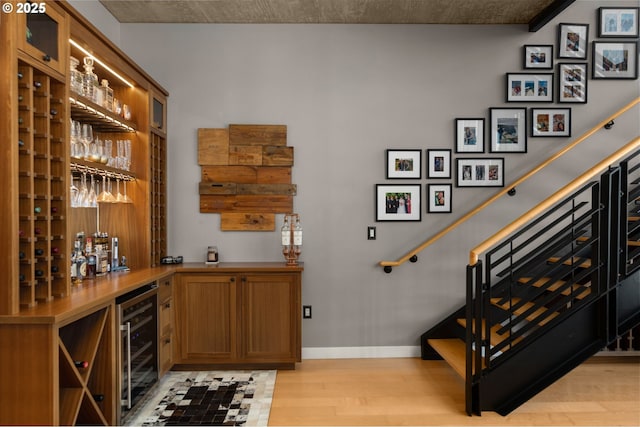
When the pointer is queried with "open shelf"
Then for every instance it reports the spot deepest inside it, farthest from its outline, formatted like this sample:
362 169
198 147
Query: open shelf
90 340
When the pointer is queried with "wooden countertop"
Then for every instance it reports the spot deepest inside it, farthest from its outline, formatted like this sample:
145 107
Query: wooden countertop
103 290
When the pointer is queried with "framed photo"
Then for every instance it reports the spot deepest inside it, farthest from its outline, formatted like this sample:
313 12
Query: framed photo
551 122
573 40
469 135
480 172
615 60
398 202
618 22
439 164
523 87
572 83
508 130
439 196
538 56
404 164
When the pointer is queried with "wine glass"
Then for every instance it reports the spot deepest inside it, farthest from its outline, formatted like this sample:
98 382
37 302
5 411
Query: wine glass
119 196
74 194
87 138
105 196
83 199
126 199
91 197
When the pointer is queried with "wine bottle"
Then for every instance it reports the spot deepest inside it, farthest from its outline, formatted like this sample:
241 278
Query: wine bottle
81 363
98 397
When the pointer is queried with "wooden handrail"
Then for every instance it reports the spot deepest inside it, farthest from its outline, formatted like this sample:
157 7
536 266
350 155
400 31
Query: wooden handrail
556 197
505 190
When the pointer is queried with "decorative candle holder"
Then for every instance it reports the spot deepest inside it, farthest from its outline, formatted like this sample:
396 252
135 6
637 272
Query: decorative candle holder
291 238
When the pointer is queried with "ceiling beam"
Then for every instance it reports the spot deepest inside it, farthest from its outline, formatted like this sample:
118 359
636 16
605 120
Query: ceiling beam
550 12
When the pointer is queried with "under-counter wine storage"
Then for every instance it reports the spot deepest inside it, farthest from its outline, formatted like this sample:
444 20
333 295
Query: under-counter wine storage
87 370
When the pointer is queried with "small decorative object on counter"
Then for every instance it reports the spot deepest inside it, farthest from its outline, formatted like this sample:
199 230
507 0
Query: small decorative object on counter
212 255
291 232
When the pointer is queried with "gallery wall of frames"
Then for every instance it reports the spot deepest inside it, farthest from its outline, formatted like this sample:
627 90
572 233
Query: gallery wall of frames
614 56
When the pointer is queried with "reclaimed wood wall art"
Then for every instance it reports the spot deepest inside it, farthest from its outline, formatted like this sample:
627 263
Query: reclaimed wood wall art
246 175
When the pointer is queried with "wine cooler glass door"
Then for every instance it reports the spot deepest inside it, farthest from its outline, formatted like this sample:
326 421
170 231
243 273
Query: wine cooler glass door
138 347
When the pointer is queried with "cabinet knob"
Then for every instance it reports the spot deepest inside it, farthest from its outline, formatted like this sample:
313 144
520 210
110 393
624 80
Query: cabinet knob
244 279
167 305
46 58
167 341
233 279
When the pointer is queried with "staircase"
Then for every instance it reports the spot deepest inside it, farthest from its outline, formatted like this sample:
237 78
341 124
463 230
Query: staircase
548 296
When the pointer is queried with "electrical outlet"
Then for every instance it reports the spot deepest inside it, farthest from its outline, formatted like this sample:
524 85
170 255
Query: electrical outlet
306 312
371 233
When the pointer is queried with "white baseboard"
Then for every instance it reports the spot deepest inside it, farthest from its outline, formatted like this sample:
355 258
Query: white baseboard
359 352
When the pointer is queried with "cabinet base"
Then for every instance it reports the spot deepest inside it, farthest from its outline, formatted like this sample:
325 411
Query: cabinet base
227 366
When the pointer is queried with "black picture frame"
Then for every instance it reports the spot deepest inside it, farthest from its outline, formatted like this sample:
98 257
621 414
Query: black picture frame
470 135
439 198
529 87
573 80
615 60
508 127
404 163
550 122
480 172
539 57
439 163
618 22
389 210
573 41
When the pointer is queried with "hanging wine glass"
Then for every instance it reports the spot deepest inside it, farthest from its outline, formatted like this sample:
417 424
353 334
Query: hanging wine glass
83 199
126 198
74 194
92 198
105 196
119 196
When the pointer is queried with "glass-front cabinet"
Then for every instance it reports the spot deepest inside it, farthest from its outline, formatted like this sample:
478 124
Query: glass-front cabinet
42 33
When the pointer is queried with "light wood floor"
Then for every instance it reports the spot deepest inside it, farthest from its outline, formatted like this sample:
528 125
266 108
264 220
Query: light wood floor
377 392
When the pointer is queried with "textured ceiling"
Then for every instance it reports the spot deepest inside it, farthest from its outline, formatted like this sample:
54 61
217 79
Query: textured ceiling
330 11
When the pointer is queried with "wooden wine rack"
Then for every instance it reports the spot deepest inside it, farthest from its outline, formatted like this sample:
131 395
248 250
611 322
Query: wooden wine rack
42 187
158 200
87 394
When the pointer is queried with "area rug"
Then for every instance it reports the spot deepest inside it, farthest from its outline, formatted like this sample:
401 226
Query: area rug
230 398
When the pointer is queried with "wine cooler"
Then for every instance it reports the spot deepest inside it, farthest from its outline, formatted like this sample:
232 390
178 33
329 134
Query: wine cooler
138 346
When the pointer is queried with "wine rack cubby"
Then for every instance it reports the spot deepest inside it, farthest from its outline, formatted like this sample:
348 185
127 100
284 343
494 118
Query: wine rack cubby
42 187
87 371
158 202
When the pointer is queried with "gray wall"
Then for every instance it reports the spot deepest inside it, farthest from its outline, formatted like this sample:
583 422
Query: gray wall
347 93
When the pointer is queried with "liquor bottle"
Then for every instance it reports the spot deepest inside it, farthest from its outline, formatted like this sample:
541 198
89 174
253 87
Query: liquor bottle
89 80
285 231
297 233
80 262
107 95
75 76
81 363
91 259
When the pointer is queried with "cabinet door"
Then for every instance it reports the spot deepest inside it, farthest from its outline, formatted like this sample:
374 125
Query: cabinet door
206 318
44 35
270 318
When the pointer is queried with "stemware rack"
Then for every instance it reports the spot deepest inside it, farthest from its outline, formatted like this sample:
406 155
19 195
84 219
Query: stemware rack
81 166
42 186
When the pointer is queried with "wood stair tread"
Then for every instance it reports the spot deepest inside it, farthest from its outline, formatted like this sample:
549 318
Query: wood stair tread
580 262
541 282
526 306
453 351
496 338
